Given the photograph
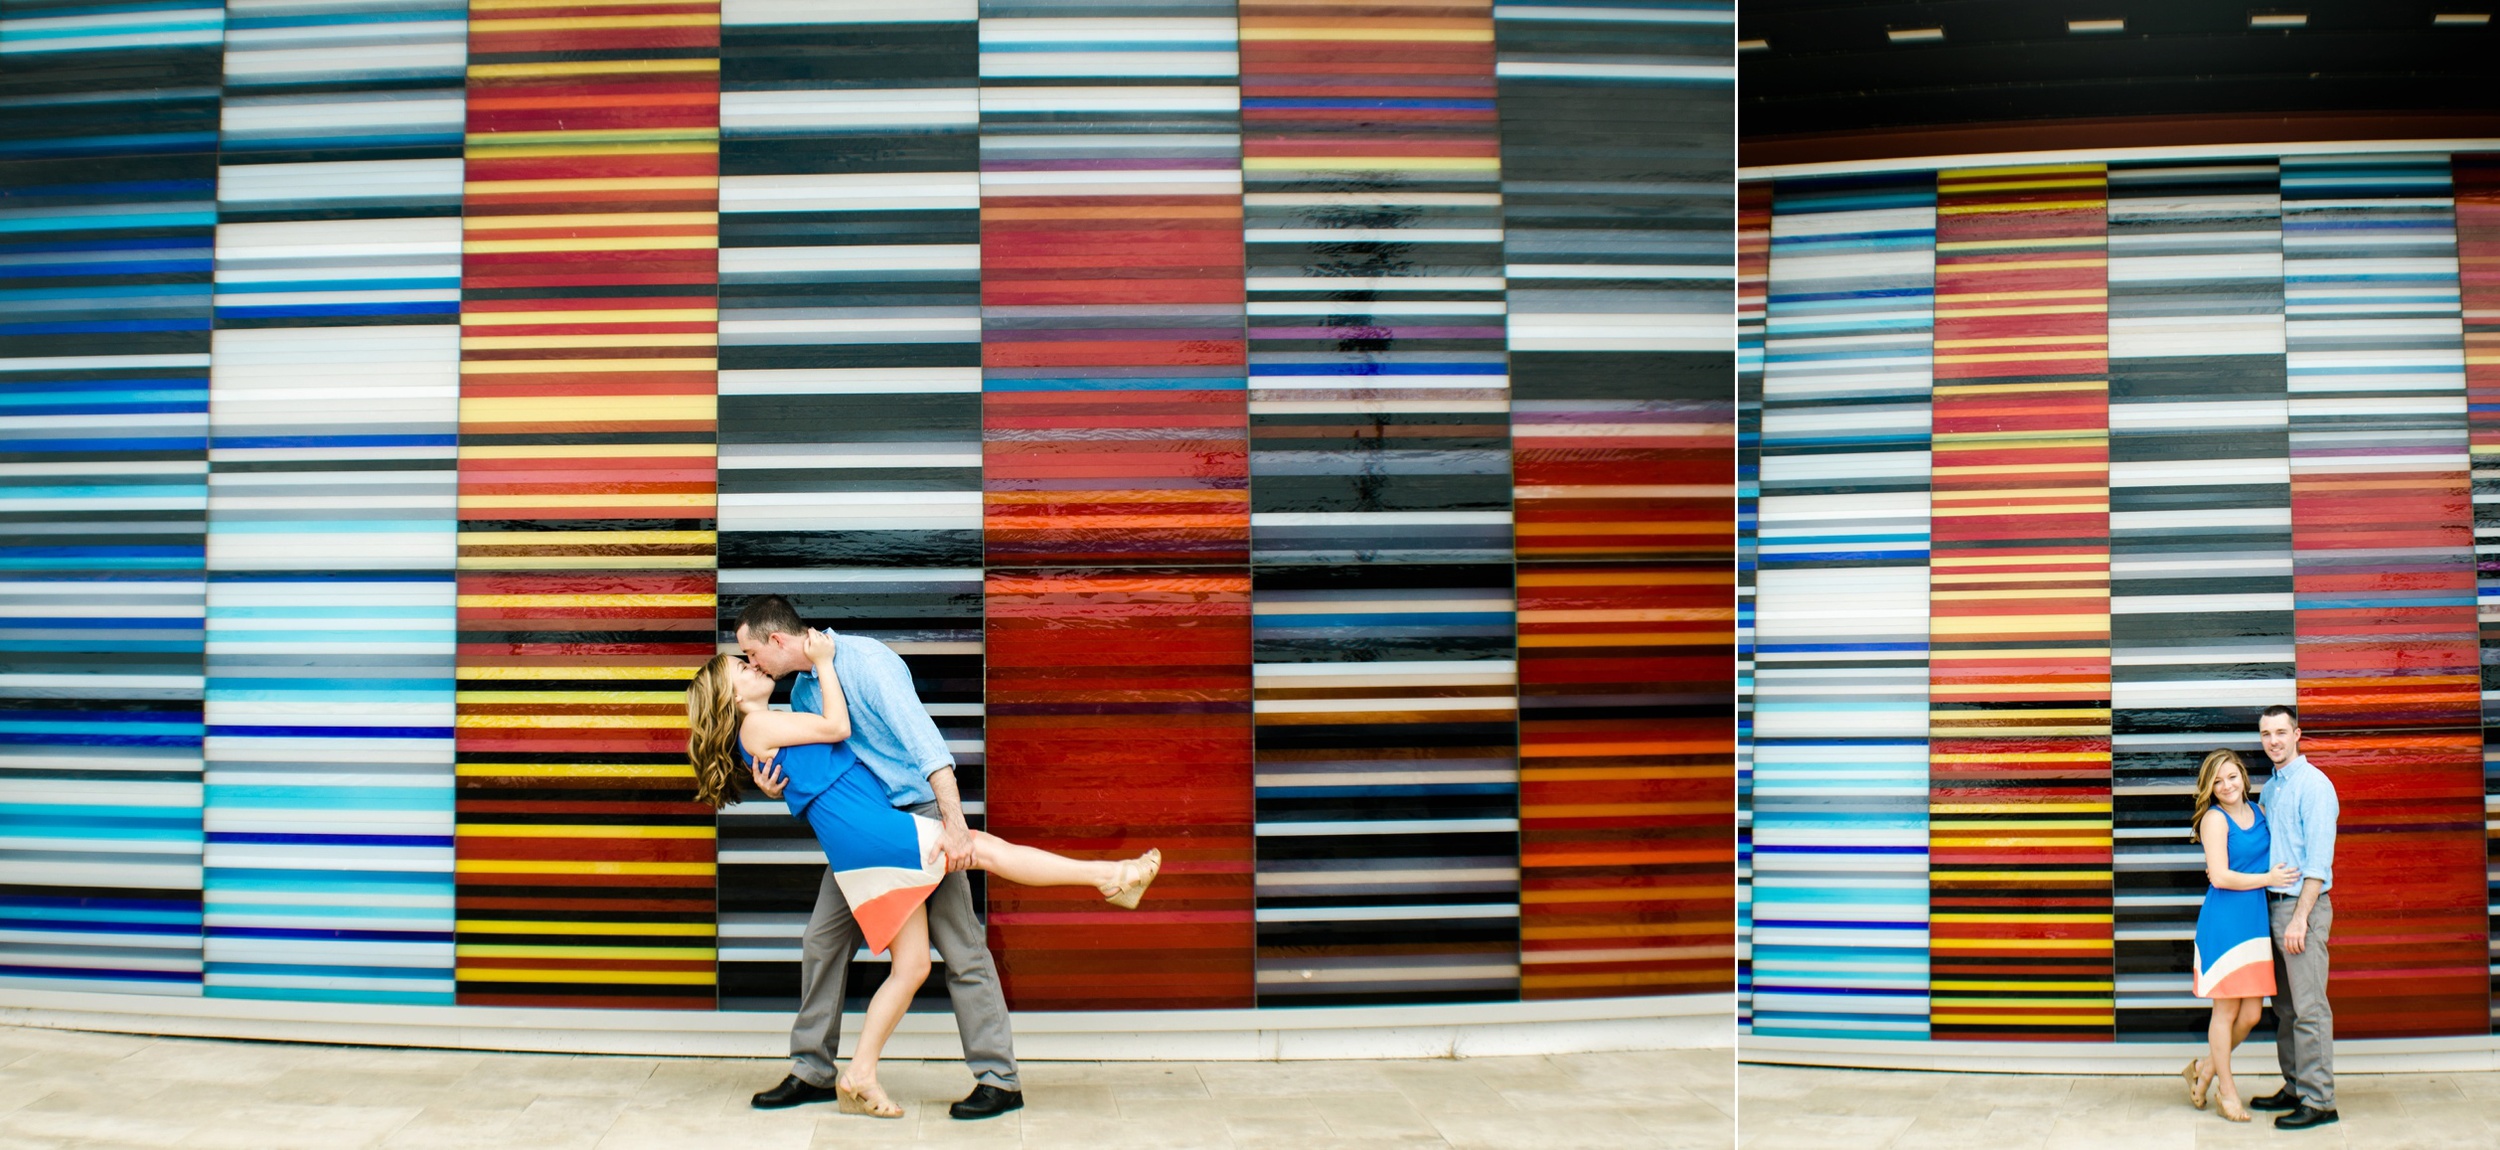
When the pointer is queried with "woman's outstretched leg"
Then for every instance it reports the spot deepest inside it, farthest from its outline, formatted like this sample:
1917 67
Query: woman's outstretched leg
1033 866
909 953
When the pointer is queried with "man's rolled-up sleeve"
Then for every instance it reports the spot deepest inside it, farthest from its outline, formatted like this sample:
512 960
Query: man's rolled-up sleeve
887 693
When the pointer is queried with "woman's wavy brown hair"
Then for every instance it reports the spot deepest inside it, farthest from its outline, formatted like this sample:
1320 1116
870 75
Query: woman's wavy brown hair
711 727
2205 786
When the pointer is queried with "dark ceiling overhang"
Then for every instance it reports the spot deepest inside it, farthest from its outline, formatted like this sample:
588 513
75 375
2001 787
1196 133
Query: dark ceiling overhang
1829 83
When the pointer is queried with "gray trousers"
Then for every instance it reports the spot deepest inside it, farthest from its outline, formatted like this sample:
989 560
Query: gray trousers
971 980
2304 1031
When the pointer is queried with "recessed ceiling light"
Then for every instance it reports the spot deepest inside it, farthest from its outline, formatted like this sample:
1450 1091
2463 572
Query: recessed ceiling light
2462 19
1914 35
2082 27
2278 19
1753 45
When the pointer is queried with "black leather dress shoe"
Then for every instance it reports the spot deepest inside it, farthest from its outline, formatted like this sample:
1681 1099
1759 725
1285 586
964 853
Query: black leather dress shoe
2303 1118
2284 1099
987 1101
793 1091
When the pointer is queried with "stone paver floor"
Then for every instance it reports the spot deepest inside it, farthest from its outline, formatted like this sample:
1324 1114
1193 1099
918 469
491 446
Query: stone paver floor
1801 1108
90 1091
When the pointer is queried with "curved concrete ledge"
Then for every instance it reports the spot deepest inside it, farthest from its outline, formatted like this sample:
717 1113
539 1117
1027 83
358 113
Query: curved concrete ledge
1474 1030
2476 1052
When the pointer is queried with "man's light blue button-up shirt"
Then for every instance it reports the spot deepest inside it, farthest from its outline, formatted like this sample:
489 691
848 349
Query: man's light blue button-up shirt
890 731
2301 807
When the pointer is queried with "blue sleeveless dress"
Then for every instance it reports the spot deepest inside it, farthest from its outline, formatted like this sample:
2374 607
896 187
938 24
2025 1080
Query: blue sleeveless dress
879 854
2234 939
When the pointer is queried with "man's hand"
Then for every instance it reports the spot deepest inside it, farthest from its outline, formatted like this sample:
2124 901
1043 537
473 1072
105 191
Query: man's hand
768 776
819 646
2296 935
955 842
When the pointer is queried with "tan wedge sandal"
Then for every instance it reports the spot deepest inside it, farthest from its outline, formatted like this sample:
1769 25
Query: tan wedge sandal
871 1100
1138 873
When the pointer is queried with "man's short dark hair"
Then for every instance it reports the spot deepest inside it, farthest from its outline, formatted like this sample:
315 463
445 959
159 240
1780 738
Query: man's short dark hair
2279 709
767 615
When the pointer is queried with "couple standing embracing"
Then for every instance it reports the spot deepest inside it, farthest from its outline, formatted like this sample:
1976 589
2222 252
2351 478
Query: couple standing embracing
857 758
2264 925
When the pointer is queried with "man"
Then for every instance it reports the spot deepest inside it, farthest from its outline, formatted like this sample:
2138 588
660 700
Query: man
2301 808
892 735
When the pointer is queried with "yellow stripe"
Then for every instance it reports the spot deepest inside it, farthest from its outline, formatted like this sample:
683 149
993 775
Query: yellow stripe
2000 296
502 926
2010 357
2095 558
593 244
587 68
574 771
558 866
659 499
523 674
618 184
2028 593
702 339
654 315
2003 209
572 405
2004 624
583 953
586 562
2080 1020
570 722
2025 389
578 831
2027 757
2013 808
561 23
596 220
2016 840
604 977
594 148
2051 309
566 409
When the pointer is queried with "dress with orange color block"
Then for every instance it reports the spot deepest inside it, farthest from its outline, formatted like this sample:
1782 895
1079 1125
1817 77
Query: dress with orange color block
879 854
2234 941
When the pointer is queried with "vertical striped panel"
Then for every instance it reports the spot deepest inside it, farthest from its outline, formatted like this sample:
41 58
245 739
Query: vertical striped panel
587 467
1753 285
2477 191
2383 568
108 138
2200 540
1386 681
850 389
2020 884
1840 624
1615 183
333 405
1115 493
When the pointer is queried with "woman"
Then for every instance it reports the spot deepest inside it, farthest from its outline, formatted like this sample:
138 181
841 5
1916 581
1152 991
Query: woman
885 860
2234 946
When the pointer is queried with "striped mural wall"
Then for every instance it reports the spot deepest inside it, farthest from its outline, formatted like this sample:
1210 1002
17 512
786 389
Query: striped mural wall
1292 435
1115 505
1618 262
1753 284
587 486
1385 677
2200 537
108 168
333 408
1840 826
850 389
2476 180
2201 442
